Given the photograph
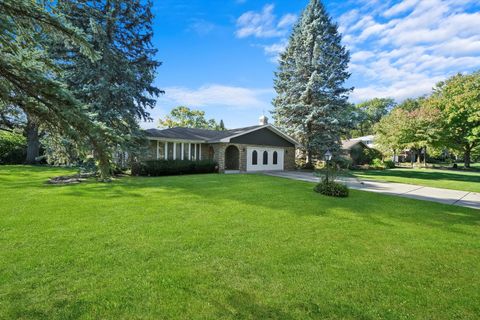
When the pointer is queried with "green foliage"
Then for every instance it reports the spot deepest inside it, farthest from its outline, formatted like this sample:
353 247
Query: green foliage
30 77
311 102
369 113
458 102
389 164
332 189
344 162
377 164
361 156
13 148
185 117
412 125
172 167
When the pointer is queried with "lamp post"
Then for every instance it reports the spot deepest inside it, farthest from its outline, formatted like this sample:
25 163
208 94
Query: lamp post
327 157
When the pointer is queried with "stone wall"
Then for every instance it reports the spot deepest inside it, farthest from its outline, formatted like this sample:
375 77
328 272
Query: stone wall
289 159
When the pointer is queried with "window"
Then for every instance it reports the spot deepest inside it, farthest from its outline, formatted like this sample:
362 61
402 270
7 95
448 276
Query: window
254 157
185 151
178 151
265 157
170 151
275 157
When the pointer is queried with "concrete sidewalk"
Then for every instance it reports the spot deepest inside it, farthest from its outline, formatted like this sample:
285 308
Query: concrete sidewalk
447 196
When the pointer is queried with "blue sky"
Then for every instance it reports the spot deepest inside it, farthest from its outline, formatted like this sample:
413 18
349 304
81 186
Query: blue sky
219 56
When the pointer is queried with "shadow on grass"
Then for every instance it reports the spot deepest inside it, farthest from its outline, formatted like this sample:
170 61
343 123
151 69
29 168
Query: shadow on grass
259 192
424 175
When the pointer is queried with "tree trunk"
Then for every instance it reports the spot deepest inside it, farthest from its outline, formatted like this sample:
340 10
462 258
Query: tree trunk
33 142
419 154
467 156
425 157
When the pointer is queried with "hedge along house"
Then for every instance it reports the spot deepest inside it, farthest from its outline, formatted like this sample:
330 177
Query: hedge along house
256 148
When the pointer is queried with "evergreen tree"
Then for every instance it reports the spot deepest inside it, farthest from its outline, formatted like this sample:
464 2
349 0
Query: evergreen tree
29 77
221 125
117 87
311 98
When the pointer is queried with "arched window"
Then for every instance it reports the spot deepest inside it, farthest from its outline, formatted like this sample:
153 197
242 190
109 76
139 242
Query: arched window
265 157
254 157
275 157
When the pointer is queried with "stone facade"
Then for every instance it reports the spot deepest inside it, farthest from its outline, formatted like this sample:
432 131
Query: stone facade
219 154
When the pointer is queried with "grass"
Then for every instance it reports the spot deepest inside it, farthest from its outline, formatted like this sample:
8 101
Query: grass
229 247
439 178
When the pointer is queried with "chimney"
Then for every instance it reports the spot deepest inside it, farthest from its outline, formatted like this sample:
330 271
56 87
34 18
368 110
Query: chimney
263 120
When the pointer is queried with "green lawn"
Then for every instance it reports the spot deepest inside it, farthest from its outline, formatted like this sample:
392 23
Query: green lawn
229 247
449 179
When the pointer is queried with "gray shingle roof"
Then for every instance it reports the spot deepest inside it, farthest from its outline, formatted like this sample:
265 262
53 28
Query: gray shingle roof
348 144
196 134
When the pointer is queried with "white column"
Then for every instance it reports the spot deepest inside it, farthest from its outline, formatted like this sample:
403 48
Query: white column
189 151
196 152
199 151
166 150
174 151
158 151
182 149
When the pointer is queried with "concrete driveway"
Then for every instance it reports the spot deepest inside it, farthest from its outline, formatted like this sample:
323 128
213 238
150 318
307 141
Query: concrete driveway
447 196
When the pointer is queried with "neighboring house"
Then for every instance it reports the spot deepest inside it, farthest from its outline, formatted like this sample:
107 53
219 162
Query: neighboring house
354 149
256 148
367 140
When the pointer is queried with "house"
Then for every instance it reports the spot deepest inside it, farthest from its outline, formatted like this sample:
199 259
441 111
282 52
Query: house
367 140
257 148
355 150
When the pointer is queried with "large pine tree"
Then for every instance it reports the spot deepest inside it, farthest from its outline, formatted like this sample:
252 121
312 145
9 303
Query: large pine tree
117 87
311 99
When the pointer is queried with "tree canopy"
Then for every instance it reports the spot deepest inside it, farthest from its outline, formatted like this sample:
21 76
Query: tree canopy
185 117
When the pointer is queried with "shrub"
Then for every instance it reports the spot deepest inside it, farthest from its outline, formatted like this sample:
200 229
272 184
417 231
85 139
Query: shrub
332 188
361 156
389 164
377 164
344 162
13 148
172 167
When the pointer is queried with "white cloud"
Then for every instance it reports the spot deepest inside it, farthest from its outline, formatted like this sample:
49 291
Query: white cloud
404 49
264 24
216 95
274 50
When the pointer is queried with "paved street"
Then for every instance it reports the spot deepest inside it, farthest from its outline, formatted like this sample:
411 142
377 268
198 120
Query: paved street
455 197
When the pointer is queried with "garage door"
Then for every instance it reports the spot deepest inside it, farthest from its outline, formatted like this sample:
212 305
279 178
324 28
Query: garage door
264 159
